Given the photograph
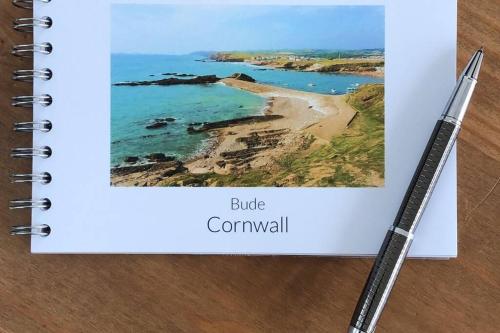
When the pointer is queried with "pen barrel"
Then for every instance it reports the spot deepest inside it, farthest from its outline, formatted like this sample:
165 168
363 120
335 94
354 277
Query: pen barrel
380 281
426 176
398 239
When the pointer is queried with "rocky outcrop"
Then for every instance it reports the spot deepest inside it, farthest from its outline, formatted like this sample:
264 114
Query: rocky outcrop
131 159
268 139
171 81
166 169
225 57
232 122
159 158
205 79
256 143
157 125
194 182
178 74
242 77
160 123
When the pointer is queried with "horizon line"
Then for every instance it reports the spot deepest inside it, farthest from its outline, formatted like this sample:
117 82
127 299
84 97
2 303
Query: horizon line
256 50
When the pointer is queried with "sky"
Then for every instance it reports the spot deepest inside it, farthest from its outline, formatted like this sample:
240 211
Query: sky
183 29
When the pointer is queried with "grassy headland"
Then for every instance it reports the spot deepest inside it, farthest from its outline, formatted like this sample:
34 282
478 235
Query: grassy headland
357 63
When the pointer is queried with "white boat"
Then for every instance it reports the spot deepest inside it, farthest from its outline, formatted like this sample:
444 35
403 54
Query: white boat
311 85
333 91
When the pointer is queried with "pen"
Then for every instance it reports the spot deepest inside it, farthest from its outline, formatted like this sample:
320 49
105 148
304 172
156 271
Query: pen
400 236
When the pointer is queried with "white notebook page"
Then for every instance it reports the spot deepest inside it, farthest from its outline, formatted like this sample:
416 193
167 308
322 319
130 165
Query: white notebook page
90 216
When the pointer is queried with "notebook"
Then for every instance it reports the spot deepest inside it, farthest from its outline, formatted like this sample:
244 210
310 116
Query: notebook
282 127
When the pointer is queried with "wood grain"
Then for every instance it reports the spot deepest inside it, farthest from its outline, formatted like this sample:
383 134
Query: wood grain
240 294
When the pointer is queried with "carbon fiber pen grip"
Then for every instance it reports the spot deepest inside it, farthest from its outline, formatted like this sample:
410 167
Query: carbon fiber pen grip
380 281
426 175
399 238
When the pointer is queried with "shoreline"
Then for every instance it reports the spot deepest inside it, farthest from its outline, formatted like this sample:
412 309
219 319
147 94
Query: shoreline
303 120
373 66
271 67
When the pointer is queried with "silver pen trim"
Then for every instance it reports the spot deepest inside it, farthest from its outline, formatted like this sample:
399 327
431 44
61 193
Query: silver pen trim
401 232
456 107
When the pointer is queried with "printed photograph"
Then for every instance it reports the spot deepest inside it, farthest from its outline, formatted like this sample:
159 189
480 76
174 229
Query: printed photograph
247 96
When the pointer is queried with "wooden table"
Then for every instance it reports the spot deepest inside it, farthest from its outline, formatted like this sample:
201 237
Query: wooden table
240 294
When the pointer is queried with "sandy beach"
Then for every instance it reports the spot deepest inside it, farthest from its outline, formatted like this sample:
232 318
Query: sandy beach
307 117
321 115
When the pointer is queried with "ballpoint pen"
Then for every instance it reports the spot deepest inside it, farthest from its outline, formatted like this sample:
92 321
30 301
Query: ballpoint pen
400 236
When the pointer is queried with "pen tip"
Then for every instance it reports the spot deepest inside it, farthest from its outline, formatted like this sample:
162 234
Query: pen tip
481 49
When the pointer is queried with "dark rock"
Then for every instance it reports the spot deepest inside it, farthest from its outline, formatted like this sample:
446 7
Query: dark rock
131 159
178 75
221 164
268 140
256 143
206 79
164 120
168 169
242 153
242 77
232 122
159 158
174 168
157 125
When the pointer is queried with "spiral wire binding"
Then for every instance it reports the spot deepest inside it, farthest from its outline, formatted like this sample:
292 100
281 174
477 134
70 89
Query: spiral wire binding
43 178
33 126
28 50
28 153
28 25
26 4
28 75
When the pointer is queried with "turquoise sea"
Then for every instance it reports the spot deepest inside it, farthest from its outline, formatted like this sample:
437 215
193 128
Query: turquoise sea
132 108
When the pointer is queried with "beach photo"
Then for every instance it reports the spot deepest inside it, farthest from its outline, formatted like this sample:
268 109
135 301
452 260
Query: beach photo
247 96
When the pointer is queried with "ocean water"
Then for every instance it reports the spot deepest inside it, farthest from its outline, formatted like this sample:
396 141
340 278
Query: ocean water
133 108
